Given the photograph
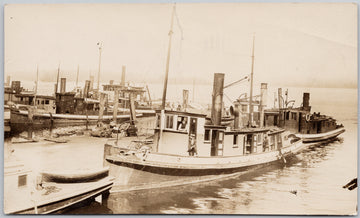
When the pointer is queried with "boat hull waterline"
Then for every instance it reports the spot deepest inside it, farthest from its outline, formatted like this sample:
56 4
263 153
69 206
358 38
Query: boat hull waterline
160 170
20 122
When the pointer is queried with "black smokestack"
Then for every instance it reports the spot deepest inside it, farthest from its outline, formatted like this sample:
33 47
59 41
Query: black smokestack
217 98
87 88
63 85
306 100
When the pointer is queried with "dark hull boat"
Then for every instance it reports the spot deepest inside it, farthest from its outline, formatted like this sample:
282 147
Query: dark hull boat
20 120
310 127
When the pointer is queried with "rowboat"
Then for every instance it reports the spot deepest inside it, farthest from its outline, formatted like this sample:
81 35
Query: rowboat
75 176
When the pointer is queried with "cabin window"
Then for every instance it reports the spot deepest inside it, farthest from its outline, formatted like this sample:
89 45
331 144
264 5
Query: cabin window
259 139
22 180
207 135
47 102
182 123
293 115
21 99
38 101
244 108
169 121
272 142
235 141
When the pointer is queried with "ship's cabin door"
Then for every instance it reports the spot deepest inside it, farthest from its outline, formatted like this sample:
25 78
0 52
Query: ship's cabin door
192 137
217 142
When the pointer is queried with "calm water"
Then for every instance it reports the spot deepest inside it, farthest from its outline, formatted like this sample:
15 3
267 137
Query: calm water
317 174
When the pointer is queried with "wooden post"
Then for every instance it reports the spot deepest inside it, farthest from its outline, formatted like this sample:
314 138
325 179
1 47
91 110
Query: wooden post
57 79
185 99
263 103
116 103
102 105
31 111
77 76
251 113
150 102
280 99
37 81
122 82
132 129
132 108
98 79
87 116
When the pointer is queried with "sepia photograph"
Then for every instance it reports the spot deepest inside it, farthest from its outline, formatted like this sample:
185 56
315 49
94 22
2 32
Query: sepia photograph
181 108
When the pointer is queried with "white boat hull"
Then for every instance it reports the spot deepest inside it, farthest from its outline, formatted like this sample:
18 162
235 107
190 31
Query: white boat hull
154 170
307 138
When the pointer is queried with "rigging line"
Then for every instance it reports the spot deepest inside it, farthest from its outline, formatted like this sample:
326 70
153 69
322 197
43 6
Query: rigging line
179 25
229 99
182 38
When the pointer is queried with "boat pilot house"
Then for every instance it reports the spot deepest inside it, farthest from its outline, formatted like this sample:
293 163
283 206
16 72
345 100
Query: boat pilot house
187 134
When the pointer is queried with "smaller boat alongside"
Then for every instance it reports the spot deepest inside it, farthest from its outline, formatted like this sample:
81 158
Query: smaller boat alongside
27 193
310 127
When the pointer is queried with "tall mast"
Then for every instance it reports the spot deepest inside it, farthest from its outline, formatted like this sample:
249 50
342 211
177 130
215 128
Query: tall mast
168 59
193 92
251 117
57 79
98 82
77 76
36 84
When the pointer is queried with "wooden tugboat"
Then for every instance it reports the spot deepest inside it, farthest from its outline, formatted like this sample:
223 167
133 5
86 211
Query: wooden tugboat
186 150
26 193
310 127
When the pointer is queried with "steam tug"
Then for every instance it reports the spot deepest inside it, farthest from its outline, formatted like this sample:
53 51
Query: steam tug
187 149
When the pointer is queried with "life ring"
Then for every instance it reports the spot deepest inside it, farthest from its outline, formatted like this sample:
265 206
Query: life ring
307 117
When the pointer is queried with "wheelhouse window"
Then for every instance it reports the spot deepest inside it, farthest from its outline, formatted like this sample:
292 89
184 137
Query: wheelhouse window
287 115
207 135
182 123
169 121
293 115
22 180
235 141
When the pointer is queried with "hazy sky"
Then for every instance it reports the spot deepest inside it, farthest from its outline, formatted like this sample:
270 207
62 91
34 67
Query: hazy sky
312 44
